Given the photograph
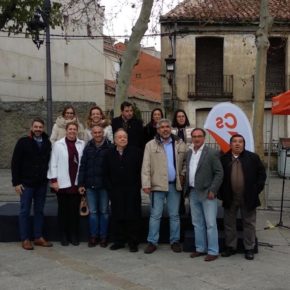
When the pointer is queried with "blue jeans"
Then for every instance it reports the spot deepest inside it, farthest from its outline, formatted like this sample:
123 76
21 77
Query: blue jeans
38 195
98 202
203 215
157 202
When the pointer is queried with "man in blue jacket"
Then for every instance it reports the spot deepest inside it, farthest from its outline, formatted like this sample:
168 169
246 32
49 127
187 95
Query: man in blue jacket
29 169
91 181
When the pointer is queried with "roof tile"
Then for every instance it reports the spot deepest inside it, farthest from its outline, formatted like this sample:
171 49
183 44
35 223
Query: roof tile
227 10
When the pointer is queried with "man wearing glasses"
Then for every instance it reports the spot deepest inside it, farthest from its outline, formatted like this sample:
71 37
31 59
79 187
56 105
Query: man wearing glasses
204 176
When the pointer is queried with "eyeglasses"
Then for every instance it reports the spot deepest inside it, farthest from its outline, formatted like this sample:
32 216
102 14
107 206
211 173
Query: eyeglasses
197 136
69 113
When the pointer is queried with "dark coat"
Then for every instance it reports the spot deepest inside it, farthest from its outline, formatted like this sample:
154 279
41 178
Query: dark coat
91 172
134 130
29 163
149 132
254 178
123 182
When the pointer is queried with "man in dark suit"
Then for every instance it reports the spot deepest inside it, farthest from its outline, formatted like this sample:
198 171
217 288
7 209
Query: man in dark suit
130 124
244 179
204 176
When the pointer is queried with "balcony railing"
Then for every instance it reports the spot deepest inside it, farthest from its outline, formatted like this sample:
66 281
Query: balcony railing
211 87
274 87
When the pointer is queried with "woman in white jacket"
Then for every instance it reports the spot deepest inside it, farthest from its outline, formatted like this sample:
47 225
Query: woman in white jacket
63 170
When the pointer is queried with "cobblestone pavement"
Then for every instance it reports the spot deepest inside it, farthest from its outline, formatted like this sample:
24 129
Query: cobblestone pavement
97 268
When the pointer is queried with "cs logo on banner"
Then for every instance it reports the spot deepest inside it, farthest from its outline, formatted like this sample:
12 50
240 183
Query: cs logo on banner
225 120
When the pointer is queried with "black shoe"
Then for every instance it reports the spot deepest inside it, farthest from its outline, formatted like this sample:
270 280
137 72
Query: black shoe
133 248
229 251
75 241
117 246
64 241
249 254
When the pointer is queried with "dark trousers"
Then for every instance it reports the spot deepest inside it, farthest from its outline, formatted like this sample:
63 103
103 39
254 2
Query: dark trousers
69 215
249 226
126 231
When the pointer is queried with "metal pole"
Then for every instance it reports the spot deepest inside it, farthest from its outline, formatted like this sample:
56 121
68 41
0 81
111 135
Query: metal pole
47 9
268 162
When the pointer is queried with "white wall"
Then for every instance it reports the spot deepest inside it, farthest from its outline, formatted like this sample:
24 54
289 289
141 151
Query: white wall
23 69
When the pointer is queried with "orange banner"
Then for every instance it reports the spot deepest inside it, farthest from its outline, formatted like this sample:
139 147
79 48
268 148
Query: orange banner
281 104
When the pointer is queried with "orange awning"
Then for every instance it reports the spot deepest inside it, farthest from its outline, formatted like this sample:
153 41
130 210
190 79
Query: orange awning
281 104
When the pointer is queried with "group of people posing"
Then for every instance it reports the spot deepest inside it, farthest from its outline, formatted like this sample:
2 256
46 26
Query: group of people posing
111 163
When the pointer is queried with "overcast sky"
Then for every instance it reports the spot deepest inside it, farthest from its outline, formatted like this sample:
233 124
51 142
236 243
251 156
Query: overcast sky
122 14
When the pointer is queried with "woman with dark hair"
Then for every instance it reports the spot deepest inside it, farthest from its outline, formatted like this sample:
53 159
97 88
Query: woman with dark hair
97 118
181 126
63 171
150 129
68 115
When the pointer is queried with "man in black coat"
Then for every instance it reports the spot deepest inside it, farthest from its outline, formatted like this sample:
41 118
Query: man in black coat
123 181
244 179
29 170
130 124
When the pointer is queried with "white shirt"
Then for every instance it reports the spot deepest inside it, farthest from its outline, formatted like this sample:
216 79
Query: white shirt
195 156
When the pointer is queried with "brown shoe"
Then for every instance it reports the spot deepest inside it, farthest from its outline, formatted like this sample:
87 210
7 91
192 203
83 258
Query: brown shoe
26 245
176 247
196 254
103 243
42 242
150 248
209 258
92 242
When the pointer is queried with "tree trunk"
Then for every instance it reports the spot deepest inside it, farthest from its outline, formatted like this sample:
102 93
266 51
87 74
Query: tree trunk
262 44
131 53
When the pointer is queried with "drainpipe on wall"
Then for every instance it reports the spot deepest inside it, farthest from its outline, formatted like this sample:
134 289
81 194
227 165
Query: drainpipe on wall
174 93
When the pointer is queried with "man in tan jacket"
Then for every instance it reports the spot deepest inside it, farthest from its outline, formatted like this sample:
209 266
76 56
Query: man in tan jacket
163 171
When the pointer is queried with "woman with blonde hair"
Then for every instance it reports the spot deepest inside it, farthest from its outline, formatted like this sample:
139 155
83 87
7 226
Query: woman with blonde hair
59 128
97 118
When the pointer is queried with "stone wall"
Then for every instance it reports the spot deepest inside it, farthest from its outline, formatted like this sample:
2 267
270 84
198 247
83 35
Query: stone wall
15 122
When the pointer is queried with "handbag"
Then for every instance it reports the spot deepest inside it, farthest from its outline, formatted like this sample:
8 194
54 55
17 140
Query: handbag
84 209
